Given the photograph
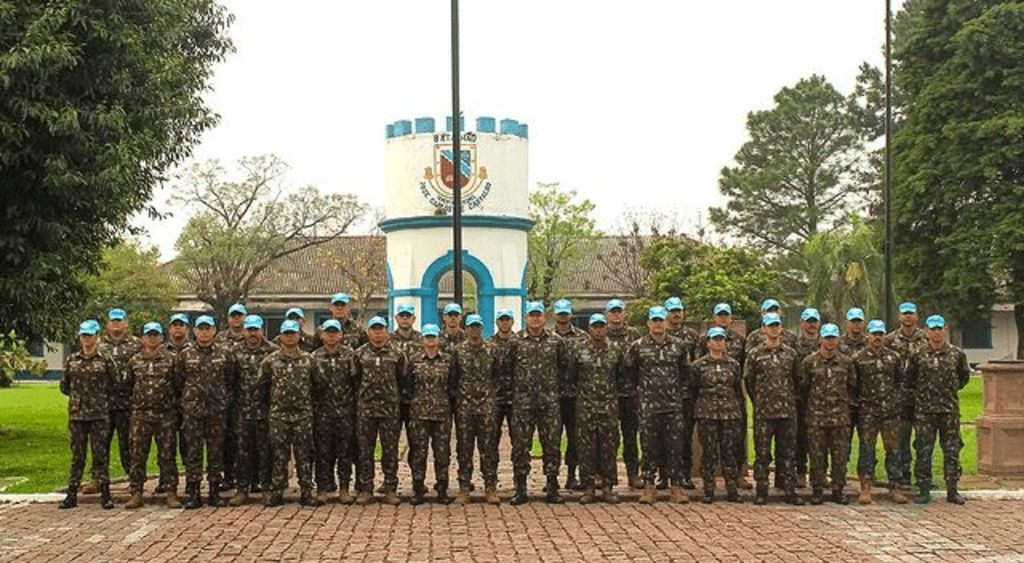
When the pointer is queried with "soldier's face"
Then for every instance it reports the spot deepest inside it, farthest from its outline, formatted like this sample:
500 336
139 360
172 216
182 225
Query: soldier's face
723 320
474 331
452 321
253 335
773 331
535 321
178 331
616 316
829 344
151 341
855 326
117 327
908 319
88 342
430 344
404 320
562 319
205 334
340 310
377 334
235 320
717 344
675 317
936 335
810 326
289 340
331 337
875 339
656 327
505 324
598 332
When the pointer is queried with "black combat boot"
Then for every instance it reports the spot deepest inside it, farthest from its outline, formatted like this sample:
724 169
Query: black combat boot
924 493
952 495
709 494
520 496
662 484
733 495
273 498
553 496
442 493
793 498
306 498
225 485
817 496
193 500
572 483
419 490
214 498
687 481
71 500
761 496
839 498
106 501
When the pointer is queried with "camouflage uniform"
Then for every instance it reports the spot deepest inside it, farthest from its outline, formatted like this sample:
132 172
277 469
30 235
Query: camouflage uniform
252 401
540 362
432 392
719 416
503 384
804 348
120 351
352 334
906 346
307 342
567 401
292 382
880 390
660 370
850 346
381 375
449 340
756 338
409 344
87 382
209 374
934 377
334 410
230 340
476 373
156 389
772 376
629 422
597 372
830 382
735 348
689 337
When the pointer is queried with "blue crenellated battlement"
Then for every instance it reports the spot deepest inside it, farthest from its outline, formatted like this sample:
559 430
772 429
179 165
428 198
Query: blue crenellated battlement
427 125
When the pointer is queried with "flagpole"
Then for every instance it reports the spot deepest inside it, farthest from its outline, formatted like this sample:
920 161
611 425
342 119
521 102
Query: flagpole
456 160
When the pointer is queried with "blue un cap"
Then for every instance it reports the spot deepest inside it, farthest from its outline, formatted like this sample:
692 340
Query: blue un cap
563 307
237 308
908 307
658 313
453 308
723 309
474 320
253 321
771 319
116 314
205 320
152 326
505 313
716 332
829 330
377 320
405 308
430 329
876 326
331 324
534 307
935 321
810 313
598 319
179 318
341 298
674 304
89 327
770 304
290 326
855 314
615 304
295 311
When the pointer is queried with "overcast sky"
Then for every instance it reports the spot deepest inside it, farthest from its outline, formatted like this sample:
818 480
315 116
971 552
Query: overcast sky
640 103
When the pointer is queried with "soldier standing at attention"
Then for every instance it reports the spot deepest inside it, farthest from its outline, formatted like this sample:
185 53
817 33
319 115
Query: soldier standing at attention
352 334
408 340
502 342
880 390
231 338
307 343
88 376
772 375
292 376
235 334
719 392
334 415
769 307
452 334
177 333
936 373
567 391
597 368
380 371
676 328
806 344
155 375
830 383
906 340
252 462
432 391
854 340
209 372
477 362
540 358
624 335
659 363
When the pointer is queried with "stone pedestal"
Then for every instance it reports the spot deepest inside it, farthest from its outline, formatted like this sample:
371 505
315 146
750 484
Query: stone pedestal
1000 428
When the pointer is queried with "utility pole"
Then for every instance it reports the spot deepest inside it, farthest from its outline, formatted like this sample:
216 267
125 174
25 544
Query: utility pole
456 159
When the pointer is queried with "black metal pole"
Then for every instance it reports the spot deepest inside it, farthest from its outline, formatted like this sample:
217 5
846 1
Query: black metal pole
456 159
887 185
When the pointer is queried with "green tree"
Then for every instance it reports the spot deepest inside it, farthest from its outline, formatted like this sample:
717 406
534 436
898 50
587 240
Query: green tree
15 358
132 278
958 160
800 172
98 100
563 234
243 225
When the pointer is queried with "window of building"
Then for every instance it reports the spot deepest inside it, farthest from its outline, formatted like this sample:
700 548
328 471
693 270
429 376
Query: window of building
977 334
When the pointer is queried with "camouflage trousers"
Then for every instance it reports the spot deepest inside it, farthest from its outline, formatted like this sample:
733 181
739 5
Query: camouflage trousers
502 415
871 427
904 449
368 429
435 435
204 431
476 432
334 434
783 431
252 453
545 420
741 446
629 425
800 461
598 447
686 447
147 427
230 446
945 427
84 433
661 440
120 425
718 440
829 443
290 437
567 409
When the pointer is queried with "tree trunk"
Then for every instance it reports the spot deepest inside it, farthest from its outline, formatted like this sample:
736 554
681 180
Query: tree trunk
1018 316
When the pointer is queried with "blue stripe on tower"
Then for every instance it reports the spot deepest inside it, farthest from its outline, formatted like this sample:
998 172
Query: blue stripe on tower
424 124
485 125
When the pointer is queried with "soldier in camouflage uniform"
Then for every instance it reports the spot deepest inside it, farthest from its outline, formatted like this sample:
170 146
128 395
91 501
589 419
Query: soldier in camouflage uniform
155 375
718 411
293 377
177 334
380 370
935 375
806 344
906 340
880 390
567 391
352 334
88 376
334 411
659 364
830 381
432 391
540 358
409 341
231 338
772 375
502 341
208 373
235 333
597 369
676 328
624 335
252 401
853 341
768 307
307 342
477 362
452 333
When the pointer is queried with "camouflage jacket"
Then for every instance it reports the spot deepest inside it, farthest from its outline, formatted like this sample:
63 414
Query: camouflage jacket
830 384
756 338
432 386
87 382
660 370
476 372
175 348
121 352
879 382
336 389
598 372
449 340
409 344
540 363
806 346
381 375
209 378
935 376
505 370
719 388
252 400
567 387
307 343
689 337
772 377
735 346
905 345
156 381
230 339
624 335
292 382
850 344
352 335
